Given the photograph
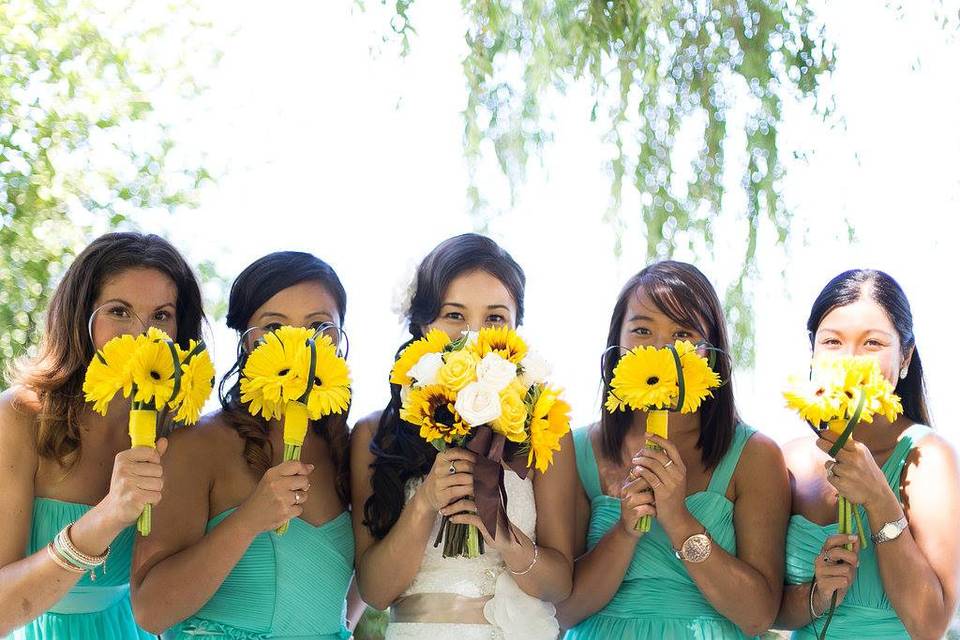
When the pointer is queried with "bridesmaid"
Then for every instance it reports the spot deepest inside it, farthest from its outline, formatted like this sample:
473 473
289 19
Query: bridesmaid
400 483
905 476
711 567
67 470
213 566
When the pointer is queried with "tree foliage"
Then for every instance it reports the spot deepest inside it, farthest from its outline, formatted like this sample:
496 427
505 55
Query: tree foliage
653 68
82 147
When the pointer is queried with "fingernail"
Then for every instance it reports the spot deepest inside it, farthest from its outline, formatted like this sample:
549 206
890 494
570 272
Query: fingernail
851 538
310 467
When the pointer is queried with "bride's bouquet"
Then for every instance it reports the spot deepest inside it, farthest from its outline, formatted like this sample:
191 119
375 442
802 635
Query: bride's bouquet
673 378
295 374
481 391
159 376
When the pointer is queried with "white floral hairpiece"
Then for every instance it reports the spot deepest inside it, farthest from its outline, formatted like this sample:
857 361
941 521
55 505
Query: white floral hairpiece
403 292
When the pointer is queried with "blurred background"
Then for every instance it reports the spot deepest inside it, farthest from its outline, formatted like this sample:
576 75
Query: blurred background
773 145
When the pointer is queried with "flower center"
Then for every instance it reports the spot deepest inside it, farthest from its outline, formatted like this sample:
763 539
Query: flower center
283 372
653 380
442 414
155 375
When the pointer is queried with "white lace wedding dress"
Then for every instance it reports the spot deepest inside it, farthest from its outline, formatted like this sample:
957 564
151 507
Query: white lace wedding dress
513 615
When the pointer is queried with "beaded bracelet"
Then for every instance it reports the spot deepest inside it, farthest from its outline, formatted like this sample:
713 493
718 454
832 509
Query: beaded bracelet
536 556
62 562
66 549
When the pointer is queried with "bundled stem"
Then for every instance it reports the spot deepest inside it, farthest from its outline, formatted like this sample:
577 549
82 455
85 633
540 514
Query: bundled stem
656 425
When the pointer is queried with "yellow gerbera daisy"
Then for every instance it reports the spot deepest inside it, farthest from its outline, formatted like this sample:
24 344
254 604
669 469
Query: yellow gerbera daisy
196 383
816 402
331 382
276 372
152 369
433 342
513 414
698 377
644 378
550 421
109 372
432 409
502 340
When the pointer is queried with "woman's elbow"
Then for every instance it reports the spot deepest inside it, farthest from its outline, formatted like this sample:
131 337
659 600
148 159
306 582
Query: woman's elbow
928 627
146 617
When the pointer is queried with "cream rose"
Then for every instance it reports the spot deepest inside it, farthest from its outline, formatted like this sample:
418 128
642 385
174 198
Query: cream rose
426 369
536 370
496 371
478 404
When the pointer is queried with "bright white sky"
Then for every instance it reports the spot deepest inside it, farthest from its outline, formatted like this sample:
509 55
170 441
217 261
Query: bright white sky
356 157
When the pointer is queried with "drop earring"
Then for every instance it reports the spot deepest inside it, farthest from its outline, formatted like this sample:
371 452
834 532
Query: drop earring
903 373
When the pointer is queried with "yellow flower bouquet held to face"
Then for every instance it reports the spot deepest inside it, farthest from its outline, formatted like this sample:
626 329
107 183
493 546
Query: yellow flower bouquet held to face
295 374
843 391
486 392
672 378
159 377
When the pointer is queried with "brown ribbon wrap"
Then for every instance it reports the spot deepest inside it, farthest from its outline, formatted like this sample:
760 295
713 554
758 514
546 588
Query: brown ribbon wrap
439 608
490 494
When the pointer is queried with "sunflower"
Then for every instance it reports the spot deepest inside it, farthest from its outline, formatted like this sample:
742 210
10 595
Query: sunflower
698 377
432 409
550 421
152 369
109 372
434 342
276 372
196 383
645 378
502 340
513 414
331 381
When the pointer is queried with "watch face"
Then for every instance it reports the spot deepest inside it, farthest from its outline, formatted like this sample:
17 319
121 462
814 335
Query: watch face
889 530
696 548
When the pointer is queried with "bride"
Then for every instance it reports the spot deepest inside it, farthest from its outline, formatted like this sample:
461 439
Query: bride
402 486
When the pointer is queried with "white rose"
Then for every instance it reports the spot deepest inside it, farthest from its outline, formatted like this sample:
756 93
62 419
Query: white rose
478 403
536 370
496 371
471 338
405 393
425 371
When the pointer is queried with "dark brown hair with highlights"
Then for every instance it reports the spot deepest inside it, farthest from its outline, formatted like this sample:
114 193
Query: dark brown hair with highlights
56 373
683 294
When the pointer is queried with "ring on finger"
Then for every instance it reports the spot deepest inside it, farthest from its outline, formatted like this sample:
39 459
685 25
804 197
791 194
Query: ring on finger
296 497
668 463
830 465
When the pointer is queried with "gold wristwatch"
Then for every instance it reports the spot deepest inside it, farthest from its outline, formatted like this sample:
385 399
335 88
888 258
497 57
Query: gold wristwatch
695 549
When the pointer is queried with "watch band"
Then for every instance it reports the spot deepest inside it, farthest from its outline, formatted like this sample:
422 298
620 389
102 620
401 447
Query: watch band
889 531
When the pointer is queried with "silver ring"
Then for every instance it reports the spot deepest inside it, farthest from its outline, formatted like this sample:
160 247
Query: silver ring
452 469
669 462
296 497
830 471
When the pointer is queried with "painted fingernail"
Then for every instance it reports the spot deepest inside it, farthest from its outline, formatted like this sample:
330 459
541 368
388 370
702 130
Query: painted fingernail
310 467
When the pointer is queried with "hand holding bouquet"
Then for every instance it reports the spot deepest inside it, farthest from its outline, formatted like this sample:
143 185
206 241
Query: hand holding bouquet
158 375
481 392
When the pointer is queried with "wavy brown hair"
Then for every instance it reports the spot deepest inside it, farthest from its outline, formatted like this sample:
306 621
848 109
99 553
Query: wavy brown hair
56 373
259 282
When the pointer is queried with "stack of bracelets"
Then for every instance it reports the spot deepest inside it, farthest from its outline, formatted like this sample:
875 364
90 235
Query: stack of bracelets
67 556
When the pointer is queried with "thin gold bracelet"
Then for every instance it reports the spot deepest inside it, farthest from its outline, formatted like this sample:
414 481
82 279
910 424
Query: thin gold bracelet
813 614
536 556
62 562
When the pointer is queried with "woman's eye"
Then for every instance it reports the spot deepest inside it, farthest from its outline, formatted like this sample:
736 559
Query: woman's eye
316 325
120 312
831 342
496 319
273 326
642 331
682 335
874 343
161 316
454 315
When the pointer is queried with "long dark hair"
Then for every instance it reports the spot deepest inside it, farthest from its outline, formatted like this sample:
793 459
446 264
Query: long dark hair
56 373
683 294
849 287
399 452
256 284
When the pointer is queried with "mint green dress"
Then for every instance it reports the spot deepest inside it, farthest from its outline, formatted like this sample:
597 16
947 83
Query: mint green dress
286 587
658 598
865 612
91 609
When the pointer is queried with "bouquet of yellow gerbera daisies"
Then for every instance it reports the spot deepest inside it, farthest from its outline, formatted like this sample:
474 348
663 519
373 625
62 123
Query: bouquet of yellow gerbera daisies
673 378
481 391
841 392
295 374
159 376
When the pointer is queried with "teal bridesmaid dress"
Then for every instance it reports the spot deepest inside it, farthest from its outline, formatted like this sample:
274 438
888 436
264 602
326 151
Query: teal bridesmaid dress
93 608
285 587
658 598
865 612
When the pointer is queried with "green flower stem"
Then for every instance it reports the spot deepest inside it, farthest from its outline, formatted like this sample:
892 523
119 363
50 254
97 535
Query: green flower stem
290 452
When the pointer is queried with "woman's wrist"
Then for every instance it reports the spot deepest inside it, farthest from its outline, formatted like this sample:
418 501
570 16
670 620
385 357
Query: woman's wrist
884 505
93 532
